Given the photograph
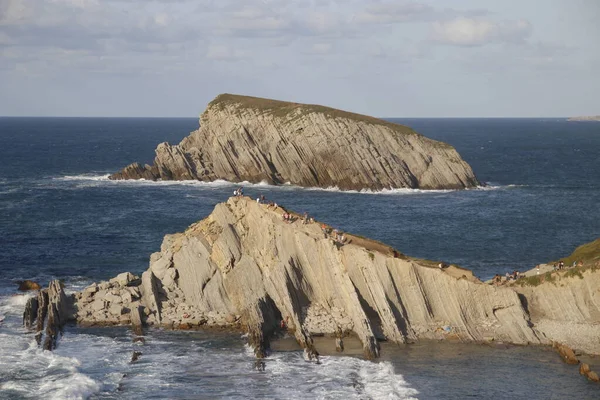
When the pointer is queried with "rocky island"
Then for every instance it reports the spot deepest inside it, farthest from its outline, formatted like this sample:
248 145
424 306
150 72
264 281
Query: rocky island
245 267
585 118
251 139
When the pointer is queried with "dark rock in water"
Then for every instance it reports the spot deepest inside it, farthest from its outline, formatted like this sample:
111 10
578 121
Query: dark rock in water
50 311
41 315
27 285
567 354
339 345
259 365
135 356
136 319
30 314
139 339
592 376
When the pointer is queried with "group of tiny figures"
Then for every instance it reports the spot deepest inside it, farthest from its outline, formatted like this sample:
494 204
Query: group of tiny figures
336 235
289 218
497 280
561 265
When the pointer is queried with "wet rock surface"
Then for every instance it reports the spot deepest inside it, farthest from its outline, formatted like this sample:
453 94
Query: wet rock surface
47 313
28 285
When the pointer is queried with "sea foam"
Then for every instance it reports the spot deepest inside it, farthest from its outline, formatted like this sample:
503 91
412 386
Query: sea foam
97 180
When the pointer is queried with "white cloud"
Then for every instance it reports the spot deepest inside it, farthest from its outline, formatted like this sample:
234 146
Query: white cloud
321 48
387 13
463 31
224 53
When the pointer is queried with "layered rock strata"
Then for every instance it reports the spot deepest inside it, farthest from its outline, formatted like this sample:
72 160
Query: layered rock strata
47 313
566 308
251 139
243 266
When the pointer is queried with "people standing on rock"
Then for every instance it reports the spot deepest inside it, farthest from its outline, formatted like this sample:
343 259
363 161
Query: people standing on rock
324 229
287 217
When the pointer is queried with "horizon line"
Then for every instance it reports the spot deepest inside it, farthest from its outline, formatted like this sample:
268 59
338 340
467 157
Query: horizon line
166 117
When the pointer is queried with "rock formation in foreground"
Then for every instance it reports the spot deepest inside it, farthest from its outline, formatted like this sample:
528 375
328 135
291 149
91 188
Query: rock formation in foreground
251 139
565 305
245 267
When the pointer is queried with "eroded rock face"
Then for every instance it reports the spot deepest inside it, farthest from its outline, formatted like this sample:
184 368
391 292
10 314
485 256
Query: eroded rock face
567 310
250 139
47 313
244 266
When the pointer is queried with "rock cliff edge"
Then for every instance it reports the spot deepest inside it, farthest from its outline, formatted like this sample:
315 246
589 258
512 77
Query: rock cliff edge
252 139
245 267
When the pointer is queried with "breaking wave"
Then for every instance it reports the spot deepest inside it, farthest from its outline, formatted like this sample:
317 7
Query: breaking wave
87 180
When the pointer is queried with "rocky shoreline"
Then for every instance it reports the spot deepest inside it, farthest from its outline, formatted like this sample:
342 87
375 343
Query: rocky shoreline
246 268
244 138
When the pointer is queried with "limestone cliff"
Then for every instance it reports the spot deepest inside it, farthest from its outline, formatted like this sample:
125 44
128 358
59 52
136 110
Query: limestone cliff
251 139
245 266
565 305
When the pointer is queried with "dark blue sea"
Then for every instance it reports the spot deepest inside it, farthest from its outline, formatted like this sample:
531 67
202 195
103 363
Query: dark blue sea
60 217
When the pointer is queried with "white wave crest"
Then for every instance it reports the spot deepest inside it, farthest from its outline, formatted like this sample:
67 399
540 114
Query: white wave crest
221 183
84 177
77 386
336 378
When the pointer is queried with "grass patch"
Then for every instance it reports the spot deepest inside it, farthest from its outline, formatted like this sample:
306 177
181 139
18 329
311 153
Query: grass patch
573 273
371 256
535 280
549 277
588 253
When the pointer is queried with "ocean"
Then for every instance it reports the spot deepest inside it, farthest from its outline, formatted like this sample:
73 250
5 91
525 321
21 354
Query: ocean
60 217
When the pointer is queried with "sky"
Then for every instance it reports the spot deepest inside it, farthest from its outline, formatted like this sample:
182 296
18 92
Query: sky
169 58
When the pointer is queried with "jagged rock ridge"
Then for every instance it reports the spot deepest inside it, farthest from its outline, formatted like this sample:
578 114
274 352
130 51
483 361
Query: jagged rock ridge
251 139
244 267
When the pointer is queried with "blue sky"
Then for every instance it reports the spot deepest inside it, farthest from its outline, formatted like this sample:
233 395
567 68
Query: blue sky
455 58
